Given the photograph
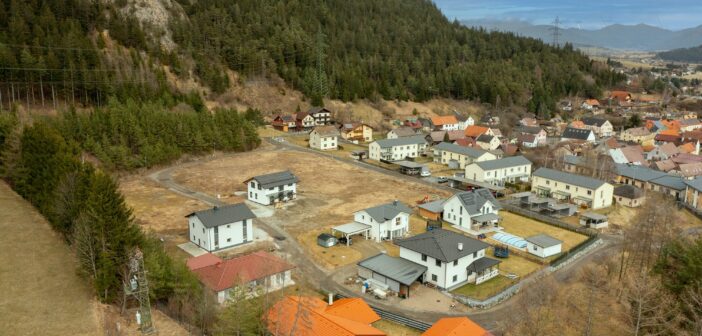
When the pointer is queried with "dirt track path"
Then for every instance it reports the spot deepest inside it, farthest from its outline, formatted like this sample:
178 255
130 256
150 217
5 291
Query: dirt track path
41 292
322 279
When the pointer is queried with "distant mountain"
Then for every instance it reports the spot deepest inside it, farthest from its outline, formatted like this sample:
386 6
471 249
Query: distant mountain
691 55
637 37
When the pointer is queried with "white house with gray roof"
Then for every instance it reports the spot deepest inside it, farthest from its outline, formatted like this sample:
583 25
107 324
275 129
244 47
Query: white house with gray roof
324 138
543 245
581 190
451 259
397 149
572 133
272 188
510 169
387 221
221 227
473 211
457 156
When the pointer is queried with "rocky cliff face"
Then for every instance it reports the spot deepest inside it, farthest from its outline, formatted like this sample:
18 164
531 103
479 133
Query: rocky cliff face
154 16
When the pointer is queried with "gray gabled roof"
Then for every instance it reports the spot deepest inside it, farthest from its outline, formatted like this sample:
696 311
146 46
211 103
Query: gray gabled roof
578 180
628 191
403 141
574 160
576 133
434 206
670 181
442 244
637 172
486 138
467 151
404 131
223 215
382 213
543 240
275 179
474 200
482 264
528 129
398 269
316 109
511 161
594 121
695 184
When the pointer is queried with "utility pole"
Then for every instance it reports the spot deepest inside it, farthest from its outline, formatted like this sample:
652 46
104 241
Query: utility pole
137 286
556 31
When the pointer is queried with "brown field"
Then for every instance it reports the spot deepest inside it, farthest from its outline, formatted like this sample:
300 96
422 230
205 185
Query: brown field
394 329
518 265
328 194
525 227
43 293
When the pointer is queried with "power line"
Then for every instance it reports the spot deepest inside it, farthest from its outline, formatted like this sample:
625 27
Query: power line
556 31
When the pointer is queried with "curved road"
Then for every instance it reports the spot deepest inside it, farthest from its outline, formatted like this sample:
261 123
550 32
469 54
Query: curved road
322 279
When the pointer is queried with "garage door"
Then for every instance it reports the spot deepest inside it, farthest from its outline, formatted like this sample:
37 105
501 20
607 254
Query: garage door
394 285
379 277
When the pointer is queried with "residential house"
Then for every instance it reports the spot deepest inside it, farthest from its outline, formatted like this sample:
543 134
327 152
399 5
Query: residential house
324 138
474 211
577 124
665 165
476 131
432 210
397 149
321 115
529 122
628 154
272 188
386 221
488 142
690 148
527 141
497 133
690 170
688 125
602 127
401 132
629 195
221 227
649 179
310 316
543 245
416 124
304 121
639 135
285 123
693 193
490 120
579 189
591 104
356 132
662 138
576 165
436 137
445 123
246 276
572 133
664 151
457 157
498 172
538 133
593 220
394 273
456 326
620 97
464 121
452 259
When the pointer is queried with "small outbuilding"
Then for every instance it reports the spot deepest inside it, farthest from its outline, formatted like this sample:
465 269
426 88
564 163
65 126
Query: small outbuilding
410 168
629 195
326 240
432 210
543 245
350 229
593 220
397 273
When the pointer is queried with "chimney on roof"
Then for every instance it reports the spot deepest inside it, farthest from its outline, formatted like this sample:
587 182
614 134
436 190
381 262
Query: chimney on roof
331 299
460 246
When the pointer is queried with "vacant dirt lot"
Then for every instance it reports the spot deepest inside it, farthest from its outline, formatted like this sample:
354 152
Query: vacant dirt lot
328 193
42 293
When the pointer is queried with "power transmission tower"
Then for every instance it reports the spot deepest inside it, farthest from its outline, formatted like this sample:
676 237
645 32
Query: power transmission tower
556 31
138 287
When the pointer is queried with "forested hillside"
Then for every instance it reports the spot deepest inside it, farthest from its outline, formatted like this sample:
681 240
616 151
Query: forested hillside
691 55
399 49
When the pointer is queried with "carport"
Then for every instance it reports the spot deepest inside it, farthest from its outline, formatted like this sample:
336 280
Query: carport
397 273
350 229
410 168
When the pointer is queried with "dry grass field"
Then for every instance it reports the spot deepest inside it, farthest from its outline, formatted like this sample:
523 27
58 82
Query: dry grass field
485 289
394 329
43 293
526 227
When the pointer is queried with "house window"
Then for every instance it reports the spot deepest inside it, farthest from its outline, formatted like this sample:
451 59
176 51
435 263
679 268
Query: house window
203 230
475 255
229 226
434 277
535 248
244 232
455 262
424 257
437 262
548 182
229 240
589 192
193 224
455 278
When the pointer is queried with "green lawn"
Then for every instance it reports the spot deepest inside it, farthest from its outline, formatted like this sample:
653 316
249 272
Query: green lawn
485 289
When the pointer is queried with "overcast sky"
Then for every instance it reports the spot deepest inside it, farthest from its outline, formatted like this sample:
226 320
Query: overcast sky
588 14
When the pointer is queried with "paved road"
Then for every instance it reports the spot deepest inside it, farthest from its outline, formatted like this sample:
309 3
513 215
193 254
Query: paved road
322 279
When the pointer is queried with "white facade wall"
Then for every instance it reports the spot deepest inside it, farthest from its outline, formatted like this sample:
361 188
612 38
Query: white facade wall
456 214
450 127
601 197
261 196
446 271
393 228
323 142
269 284
395 153
444 157
543 252
308 121
226 236
498 176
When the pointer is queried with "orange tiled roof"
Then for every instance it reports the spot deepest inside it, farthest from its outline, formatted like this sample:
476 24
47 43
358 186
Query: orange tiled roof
475 131
592 102
687 148
444 120
240 270
309 316
670 131
577 124
456 326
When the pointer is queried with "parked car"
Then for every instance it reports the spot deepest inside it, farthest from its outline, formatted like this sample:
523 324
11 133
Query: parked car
342 241
425 173
442 179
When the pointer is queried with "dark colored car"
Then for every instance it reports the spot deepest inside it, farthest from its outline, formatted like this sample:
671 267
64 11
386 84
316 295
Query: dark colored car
342 241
